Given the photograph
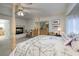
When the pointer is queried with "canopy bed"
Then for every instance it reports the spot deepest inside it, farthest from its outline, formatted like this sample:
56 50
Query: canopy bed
45 45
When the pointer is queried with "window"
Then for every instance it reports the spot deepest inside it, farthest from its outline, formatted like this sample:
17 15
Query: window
72 25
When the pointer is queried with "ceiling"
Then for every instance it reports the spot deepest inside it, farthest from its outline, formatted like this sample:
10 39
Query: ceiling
75 11
36 9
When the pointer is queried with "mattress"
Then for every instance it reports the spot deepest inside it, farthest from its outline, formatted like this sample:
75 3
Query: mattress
43 45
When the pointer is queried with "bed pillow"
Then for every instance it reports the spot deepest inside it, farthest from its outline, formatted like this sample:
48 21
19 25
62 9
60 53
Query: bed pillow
71 35
75 45
77 37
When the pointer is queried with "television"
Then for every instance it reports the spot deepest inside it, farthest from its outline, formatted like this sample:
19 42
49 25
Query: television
19 30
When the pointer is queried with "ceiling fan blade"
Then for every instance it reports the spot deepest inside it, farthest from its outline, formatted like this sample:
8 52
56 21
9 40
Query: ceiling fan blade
26 6
26 11
31 11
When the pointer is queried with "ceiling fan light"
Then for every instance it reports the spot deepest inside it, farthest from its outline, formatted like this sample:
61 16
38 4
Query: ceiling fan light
20 13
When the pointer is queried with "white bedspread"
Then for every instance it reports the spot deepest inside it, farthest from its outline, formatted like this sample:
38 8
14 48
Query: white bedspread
43 45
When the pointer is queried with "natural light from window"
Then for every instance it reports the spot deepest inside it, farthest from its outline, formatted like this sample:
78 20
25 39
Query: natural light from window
72 25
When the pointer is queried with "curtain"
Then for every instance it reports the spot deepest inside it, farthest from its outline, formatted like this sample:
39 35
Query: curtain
72 24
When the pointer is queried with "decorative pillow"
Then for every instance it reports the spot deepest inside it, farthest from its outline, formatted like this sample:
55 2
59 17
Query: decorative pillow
67 39
68 42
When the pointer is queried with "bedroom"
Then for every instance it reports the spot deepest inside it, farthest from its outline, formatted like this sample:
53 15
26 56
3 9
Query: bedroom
22 23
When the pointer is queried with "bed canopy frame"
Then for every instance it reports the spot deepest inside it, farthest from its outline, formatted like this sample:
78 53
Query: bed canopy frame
13 25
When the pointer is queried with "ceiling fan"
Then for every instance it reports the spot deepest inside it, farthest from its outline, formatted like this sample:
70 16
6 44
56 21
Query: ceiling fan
25 8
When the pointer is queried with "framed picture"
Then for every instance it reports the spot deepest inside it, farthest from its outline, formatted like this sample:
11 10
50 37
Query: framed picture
56 22
1 31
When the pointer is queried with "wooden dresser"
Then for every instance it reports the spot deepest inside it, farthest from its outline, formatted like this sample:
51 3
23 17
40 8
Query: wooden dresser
42 32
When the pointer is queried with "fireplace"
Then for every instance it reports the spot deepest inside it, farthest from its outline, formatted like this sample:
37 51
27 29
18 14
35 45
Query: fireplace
19 30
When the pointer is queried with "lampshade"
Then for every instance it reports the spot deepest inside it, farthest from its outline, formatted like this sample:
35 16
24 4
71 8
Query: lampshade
59 29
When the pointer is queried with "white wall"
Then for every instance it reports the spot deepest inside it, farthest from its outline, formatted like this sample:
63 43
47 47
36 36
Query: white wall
19 21
62 22
22 22
49 19
29 23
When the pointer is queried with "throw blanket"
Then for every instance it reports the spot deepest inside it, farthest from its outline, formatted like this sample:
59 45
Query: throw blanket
43 45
